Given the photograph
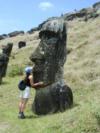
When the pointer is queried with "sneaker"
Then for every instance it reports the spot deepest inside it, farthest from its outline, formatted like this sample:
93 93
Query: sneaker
21 115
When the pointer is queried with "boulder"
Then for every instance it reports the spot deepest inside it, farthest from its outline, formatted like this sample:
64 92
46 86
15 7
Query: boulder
21 44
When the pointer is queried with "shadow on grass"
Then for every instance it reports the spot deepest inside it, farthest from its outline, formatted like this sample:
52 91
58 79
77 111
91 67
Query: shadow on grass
39 116
4 83
1 95
98 119
32 116
74 105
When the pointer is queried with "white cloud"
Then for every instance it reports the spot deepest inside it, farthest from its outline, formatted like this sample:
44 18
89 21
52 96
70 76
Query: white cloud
45 6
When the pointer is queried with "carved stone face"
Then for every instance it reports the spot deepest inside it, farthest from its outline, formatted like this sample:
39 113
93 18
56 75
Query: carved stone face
49 59
50 55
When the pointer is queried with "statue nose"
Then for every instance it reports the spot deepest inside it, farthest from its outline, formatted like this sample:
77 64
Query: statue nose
37 55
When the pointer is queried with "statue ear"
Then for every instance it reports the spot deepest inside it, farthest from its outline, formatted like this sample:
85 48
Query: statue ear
65 31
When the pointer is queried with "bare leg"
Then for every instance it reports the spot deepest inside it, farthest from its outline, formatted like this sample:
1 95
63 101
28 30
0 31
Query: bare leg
22 106
23 101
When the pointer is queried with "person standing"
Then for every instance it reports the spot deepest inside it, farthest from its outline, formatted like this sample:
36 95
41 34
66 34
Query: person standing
24 95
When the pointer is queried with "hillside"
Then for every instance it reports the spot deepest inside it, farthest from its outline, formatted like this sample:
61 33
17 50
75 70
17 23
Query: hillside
81 73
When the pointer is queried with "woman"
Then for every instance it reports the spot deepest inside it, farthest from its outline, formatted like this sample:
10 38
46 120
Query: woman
24 95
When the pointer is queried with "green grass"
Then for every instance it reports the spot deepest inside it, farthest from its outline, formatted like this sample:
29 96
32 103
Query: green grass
83 117
81 73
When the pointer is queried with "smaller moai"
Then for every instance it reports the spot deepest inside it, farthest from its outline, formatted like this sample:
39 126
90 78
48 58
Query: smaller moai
21 44
4 59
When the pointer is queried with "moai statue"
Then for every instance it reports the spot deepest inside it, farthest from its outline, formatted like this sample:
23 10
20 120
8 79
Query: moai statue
4 59
49 59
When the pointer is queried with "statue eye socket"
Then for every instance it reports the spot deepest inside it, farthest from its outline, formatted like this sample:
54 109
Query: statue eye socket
52 41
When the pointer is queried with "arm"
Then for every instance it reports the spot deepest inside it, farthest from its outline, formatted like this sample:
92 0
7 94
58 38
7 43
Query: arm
42 85
35 85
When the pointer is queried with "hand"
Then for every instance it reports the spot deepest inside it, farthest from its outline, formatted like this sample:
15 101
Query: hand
41 83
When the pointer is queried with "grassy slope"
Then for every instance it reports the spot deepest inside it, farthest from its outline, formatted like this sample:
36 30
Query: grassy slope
81 73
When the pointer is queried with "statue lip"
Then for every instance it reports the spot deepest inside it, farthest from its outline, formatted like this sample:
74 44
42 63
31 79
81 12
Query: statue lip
37 59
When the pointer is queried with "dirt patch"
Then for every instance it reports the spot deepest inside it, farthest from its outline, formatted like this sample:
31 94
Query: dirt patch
3 126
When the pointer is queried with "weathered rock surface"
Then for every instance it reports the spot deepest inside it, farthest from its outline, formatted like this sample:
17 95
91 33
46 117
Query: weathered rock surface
15 33
49 59
4 59
31 31
21 44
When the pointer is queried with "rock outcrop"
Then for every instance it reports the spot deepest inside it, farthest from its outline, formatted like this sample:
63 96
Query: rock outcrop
3 36
86 13
31 31
15 33
49 59
52 18
4 59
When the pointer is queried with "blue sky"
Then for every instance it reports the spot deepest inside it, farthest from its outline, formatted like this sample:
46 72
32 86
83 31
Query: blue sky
26 14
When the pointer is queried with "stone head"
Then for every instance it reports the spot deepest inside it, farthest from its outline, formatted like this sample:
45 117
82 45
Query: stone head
50 55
